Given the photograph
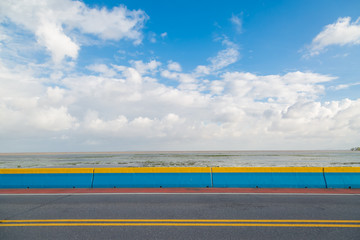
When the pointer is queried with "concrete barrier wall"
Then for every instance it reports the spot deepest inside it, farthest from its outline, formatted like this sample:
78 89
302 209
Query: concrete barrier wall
46 178
261 177
152 177
342 177
277 177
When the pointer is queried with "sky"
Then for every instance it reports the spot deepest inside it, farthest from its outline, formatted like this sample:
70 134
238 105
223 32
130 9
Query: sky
139 75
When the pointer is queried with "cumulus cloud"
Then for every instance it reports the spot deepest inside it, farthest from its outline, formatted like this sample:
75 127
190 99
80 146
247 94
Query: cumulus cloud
174 66
53 38
315 119
342 32
134 106
52 119
102 69
289 88
53 21
55 94
151 67
26 105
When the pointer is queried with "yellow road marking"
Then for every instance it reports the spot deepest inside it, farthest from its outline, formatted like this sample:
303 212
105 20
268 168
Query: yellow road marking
183 220
183 224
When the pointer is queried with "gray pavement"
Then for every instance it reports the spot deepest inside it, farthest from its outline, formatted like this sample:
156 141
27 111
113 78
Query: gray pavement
179 206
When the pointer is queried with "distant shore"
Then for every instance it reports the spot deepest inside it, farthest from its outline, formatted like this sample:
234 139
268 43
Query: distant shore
160 152
274 158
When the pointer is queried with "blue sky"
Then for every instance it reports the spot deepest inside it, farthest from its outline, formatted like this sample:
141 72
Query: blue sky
272 39
179 75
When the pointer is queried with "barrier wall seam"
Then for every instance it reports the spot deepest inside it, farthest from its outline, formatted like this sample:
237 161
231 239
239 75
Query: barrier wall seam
92 179
326 186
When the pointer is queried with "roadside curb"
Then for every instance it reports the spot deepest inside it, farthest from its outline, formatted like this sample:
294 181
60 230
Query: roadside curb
178 191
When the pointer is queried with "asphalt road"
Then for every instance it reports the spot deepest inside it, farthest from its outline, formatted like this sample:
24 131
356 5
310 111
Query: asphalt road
180 216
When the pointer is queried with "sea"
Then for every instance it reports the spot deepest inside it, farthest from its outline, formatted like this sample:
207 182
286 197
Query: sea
182 159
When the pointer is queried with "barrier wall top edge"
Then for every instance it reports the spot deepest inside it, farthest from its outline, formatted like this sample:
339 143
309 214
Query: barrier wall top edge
183 170
342 169
154 170
267 169
45 170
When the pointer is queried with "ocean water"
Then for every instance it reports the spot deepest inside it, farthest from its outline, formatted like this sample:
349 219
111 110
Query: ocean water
183 159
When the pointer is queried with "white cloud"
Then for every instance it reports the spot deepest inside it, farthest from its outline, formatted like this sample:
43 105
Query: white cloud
103 69
28 107
314 119
224 58
52 22
133 106
288 89
129 106
187 81
93 123
52 119
169 75
344 86
174 66
55 94
217 87
53 38
116 24
237 21
152 37
343 32
146 68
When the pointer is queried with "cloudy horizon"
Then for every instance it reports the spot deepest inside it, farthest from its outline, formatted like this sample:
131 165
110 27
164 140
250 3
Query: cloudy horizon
248 75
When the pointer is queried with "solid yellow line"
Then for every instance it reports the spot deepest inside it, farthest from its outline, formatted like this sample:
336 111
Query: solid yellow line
182 225
182 220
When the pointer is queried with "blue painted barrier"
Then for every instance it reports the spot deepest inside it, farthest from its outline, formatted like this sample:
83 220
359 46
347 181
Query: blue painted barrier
342 177
265 177
46 178
278 177
151 177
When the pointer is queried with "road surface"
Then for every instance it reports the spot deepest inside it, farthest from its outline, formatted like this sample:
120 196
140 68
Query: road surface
180 216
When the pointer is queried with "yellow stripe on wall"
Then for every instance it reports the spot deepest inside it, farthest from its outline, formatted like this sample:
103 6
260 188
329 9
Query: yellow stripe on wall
266 169
45 170
342 169
183 170
154 170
